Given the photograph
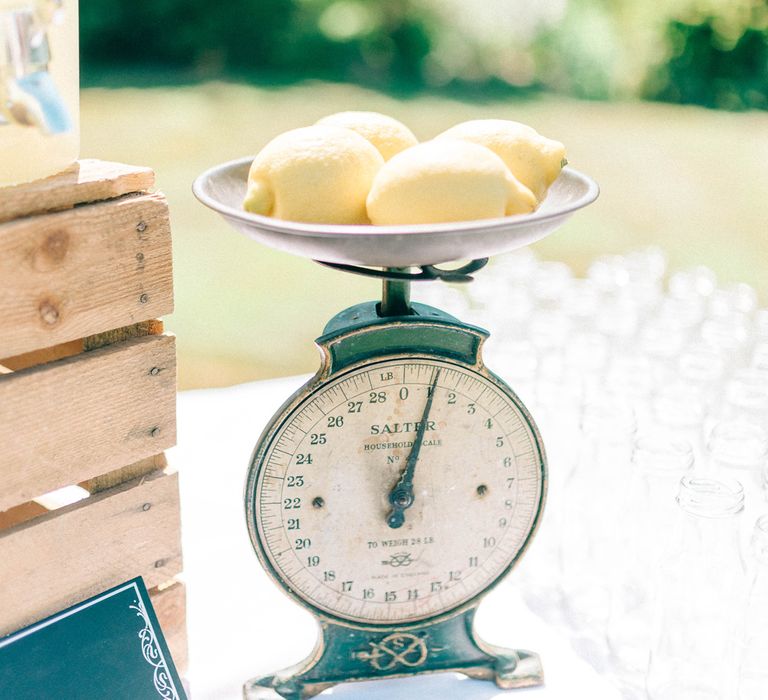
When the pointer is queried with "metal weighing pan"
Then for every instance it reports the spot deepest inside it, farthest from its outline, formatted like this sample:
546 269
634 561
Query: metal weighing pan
222 188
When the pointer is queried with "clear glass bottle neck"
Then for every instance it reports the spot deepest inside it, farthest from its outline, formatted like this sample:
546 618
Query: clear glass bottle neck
662 456
738 444
710 499
609 432
710 525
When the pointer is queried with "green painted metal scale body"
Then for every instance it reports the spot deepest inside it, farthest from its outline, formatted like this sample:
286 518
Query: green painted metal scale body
405 479
423 365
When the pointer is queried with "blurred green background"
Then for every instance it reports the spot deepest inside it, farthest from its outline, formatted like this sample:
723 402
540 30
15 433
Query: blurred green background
665 106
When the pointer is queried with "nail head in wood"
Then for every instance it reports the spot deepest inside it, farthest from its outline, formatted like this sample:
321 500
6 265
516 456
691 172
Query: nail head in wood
48 312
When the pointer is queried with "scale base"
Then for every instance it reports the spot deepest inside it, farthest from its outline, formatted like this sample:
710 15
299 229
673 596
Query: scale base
345 654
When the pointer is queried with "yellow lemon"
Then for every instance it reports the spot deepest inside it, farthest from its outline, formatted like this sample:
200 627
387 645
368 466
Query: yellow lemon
533 159
316 174
445 180
387 134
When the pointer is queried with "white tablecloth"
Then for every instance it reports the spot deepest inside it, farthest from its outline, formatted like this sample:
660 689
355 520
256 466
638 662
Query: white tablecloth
241 625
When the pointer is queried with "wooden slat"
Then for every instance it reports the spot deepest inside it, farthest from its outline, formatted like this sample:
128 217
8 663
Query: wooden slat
34 509
170 604
75 552
118 335
75 347
40 357
84 181
127 473
71 420
85 271
21 513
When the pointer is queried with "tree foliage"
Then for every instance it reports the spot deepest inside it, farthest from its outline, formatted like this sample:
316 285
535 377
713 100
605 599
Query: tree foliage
703 69
708 52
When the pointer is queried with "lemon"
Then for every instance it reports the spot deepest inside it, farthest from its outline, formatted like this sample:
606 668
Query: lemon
440 181
533 159
387 134
316 174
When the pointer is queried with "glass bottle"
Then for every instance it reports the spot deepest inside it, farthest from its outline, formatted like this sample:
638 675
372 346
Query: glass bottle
609 274
746 397
618 319
502 295
39 88
508 311
735 299
687 299
650 261
550 282
516 267
648 514
549 331
679 407
753 662
516 361
728 335
738 449
448 296
630 377
645 270
685 313
703 368
586 356
760 356
557 402
581 301
696 282
700 591
662 342
590 514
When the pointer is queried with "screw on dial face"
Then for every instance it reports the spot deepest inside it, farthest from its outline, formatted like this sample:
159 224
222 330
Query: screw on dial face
322 491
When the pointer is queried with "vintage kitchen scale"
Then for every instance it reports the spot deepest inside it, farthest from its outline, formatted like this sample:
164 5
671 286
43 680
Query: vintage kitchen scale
404 480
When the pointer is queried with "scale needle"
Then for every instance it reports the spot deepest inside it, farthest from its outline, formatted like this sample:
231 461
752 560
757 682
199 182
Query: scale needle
401 496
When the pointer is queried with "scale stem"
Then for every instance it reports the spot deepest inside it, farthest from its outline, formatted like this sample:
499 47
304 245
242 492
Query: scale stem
396 295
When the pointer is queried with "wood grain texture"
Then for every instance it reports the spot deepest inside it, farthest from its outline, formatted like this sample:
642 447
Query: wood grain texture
21 513
72 420
118 335
40 357
78 551
75 347
170 604
85 271
127 473
84 181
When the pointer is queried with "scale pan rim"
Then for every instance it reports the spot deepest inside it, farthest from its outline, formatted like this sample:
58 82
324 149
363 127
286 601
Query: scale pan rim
222 188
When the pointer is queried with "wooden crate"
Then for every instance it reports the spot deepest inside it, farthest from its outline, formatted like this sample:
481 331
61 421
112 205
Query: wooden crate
87 395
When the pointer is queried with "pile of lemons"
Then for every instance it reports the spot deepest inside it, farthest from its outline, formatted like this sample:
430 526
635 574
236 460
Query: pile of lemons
366 167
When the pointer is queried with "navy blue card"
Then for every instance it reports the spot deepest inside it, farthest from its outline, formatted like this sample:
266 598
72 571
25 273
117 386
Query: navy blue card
110 646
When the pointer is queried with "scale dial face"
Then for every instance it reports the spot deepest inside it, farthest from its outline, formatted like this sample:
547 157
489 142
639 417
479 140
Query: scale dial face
319 491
